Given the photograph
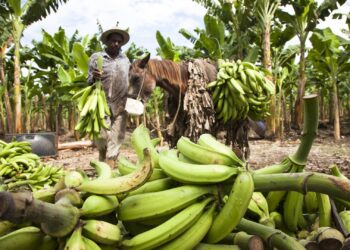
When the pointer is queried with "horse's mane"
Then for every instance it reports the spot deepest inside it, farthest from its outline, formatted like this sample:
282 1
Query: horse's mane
174 73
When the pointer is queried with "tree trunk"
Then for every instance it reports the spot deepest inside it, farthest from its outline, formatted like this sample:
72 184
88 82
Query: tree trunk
336 110
321 98
348 107
298 112
286 122
271 120
17 32
9 113
46 113
330 109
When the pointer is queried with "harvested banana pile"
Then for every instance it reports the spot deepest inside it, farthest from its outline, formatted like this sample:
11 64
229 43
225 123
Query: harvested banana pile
240 91
197 196
93 108
20 167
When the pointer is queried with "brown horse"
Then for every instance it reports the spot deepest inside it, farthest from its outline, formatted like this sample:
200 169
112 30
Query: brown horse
146 74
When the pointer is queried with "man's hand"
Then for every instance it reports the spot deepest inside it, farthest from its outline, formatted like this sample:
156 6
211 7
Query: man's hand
97 74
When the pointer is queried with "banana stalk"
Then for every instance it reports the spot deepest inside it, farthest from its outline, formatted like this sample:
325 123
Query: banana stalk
309 130
328 238
272 237
303 182
55 219
246 241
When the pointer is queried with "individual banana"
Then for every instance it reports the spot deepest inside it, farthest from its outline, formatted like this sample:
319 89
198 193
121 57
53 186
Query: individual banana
310 202
209 141
97 205
206 246
121 184
234 209
90 244
140 139
169 230
202 154
73 179
102 232
154 186
126 167
324 210
22 239
5 227
157 204
194 235
75 240
345 217
103 170
194 173
48 243
292 208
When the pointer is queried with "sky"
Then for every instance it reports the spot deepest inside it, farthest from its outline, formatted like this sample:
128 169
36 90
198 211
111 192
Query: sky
142 17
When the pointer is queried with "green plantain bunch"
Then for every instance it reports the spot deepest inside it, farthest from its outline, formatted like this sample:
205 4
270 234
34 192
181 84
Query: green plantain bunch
93 108
240 91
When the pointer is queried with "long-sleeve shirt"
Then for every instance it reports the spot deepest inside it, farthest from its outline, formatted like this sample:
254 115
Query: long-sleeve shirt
114 79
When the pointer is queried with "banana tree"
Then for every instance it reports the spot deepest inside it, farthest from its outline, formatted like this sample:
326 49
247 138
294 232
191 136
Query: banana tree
329 58
5 41
307 14
20 16
265 10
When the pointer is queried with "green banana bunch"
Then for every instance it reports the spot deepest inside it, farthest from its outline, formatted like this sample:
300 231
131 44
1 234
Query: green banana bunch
194 235
102 232
240 91
234 208
121 184
19 167
159 204
98 205
93 108
194 173
202 154
168 230
22 239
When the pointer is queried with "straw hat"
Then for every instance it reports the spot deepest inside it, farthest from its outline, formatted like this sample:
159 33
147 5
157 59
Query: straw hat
121 32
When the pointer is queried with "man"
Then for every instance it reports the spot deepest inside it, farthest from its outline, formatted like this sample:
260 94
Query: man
114 77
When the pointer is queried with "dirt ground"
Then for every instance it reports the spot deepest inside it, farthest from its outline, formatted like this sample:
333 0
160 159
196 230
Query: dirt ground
324 152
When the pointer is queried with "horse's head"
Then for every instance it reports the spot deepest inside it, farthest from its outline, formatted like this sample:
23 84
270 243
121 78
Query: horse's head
141 82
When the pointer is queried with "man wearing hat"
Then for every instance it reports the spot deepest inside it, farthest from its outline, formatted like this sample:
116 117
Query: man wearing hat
114 77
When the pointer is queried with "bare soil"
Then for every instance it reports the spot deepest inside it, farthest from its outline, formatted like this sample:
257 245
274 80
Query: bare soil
324 152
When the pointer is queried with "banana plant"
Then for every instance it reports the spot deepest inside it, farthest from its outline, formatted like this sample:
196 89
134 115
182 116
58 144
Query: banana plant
21 16
327 57
210 41
307 14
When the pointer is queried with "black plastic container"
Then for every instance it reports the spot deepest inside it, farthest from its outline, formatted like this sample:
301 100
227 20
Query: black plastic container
43 144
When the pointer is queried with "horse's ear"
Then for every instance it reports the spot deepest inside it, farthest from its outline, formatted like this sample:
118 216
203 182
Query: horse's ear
144 61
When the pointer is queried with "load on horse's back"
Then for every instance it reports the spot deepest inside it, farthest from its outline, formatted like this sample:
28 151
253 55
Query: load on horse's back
188 100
